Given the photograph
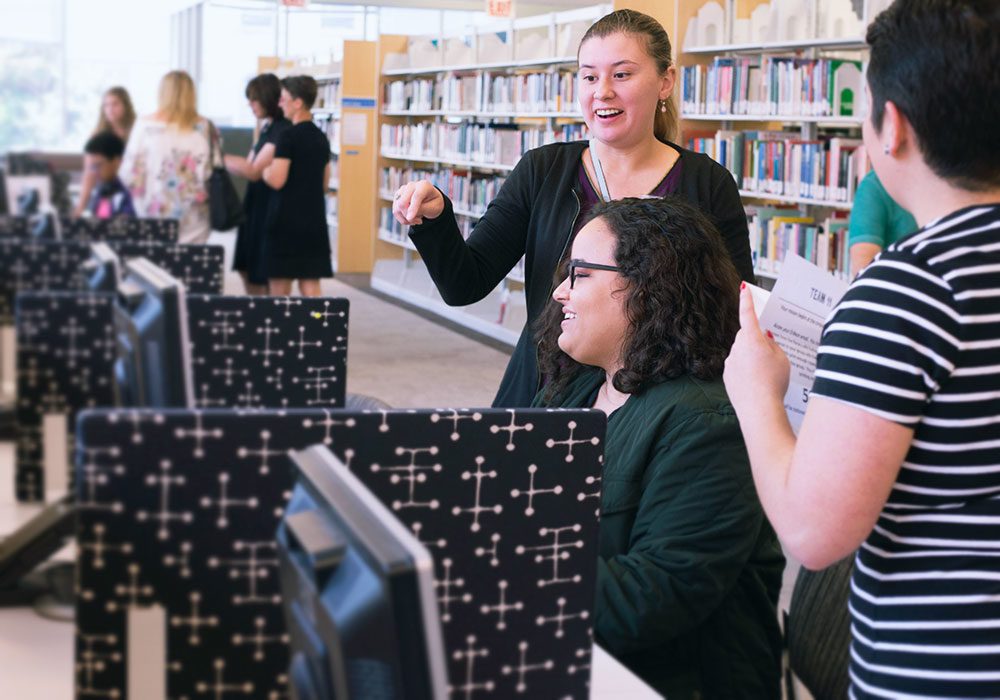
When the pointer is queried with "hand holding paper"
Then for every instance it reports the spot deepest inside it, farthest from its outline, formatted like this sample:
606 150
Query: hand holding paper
793 317
757 368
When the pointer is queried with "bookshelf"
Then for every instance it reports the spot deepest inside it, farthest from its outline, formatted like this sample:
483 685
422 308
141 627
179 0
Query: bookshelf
774 90
326 114
461 110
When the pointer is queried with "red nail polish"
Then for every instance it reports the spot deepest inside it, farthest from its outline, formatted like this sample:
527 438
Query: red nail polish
743 285
770 335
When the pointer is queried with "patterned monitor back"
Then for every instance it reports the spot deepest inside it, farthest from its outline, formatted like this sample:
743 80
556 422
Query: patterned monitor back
249 352
31 265
177 563
86 230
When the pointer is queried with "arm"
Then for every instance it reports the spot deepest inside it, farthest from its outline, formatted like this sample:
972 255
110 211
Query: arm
868 229
862 255
696 526
731 219
252 167
466 271
86 186
276 174
884 353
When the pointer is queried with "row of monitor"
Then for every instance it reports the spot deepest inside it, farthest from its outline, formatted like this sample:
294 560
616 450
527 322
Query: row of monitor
358 587
152 348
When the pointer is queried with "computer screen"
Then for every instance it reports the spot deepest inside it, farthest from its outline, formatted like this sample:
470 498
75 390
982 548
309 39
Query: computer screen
358 592
153 352
103 269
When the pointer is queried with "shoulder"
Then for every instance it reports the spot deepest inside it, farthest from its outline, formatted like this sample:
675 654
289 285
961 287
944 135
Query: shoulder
699 165
555 155
679 406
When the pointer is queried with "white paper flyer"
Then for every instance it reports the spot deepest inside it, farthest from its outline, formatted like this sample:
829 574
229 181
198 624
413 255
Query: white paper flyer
795 312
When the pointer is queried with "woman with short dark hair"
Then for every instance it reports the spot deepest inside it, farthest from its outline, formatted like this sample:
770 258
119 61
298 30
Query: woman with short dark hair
689 569
898 456
263 93
298 240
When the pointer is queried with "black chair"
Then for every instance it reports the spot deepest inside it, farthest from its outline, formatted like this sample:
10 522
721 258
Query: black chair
818 631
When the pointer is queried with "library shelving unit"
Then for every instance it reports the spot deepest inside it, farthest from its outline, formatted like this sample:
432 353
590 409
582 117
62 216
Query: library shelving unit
774 90
460 110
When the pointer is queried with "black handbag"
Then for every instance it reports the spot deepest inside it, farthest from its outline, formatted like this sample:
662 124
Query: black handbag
225 210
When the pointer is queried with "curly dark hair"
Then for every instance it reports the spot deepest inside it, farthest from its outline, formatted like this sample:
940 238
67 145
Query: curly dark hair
682 297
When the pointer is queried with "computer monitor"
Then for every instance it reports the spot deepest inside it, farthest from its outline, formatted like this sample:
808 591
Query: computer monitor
358 592
103 268
153 364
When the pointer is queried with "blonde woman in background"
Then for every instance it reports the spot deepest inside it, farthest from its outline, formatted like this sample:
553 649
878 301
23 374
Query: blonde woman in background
167 161
117 116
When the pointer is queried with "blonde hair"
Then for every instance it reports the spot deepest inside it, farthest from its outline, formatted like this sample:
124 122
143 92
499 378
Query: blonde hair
178 101
666 121
128 119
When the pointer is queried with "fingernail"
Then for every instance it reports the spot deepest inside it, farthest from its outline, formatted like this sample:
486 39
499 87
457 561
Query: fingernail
743 285
770 335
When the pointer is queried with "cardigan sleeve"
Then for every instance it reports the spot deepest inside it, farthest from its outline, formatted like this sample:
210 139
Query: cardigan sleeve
466 271
694 531
731 220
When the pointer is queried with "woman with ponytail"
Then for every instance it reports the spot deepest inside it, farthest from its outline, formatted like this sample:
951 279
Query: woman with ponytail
626 82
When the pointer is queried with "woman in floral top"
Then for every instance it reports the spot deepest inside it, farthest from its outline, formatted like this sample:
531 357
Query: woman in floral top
167 162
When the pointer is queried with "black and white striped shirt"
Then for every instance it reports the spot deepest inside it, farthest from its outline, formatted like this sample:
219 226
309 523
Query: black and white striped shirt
916 340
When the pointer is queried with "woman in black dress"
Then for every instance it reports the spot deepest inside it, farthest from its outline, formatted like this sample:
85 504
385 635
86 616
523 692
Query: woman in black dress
263 93
297 241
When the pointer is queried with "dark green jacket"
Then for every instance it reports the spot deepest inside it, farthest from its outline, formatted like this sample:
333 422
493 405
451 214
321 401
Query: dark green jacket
689 569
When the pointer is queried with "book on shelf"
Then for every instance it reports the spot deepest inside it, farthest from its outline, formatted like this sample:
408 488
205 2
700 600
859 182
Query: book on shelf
501 144
776 231
782 163
770 85
468 193
530 92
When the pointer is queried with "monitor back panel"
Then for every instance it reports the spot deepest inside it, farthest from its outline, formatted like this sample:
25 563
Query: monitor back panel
120 228
249 352
86 230
31 265
178 567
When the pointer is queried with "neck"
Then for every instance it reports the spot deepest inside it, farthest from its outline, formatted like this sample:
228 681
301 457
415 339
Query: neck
622 159
930 203
303 116
615 398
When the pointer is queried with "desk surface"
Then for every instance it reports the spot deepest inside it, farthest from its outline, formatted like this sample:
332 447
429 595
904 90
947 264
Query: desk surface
609 680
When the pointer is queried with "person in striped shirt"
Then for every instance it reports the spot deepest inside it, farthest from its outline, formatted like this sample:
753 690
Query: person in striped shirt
899 452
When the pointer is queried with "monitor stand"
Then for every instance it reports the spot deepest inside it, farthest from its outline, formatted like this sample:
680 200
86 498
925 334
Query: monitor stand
22 580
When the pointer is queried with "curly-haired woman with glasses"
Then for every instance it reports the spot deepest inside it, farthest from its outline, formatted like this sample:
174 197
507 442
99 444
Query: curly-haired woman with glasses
689 569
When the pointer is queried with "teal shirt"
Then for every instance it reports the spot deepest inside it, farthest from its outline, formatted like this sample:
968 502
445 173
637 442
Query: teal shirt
690 569
875 216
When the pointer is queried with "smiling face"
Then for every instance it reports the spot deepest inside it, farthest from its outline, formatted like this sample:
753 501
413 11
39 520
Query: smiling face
594 323
620 88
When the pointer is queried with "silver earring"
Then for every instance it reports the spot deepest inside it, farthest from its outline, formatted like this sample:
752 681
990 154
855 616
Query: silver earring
885 149
663 106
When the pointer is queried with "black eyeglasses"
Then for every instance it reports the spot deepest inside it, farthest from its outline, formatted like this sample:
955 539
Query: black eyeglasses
583 264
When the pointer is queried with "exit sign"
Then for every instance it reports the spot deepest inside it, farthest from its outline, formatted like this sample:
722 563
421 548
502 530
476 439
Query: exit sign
500 8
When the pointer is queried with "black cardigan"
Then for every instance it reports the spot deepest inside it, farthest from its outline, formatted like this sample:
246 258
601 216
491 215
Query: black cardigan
534 215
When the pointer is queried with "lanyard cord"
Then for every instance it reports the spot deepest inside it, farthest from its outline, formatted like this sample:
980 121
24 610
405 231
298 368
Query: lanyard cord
602 183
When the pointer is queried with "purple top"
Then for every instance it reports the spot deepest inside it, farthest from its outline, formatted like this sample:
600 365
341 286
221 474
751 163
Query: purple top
668 185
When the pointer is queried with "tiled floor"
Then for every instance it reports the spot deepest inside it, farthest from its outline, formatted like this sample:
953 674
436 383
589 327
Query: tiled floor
395 355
